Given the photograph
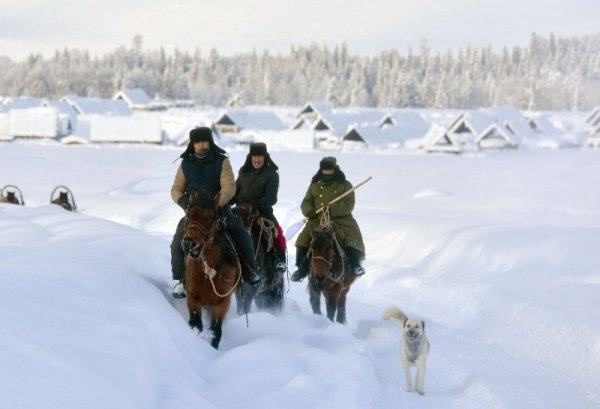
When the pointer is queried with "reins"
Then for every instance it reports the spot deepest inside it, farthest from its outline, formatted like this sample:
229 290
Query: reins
326 224
208 270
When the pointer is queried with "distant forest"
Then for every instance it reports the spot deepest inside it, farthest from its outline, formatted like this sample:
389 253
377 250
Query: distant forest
549 74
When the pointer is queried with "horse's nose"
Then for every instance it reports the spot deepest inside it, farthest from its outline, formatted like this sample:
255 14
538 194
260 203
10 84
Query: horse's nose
187 245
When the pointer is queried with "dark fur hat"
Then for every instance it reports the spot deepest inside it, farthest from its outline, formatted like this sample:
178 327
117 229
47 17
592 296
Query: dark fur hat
201 134
328 162
258 149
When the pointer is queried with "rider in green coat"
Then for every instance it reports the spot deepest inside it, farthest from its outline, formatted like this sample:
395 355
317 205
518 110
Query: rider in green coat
327 184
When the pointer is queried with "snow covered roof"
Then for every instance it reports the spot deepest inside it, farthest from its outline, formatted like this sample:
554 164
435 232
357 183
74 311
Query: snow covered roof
339 122
495 136
98 106
370 135
134 98
303 123
19 103
437 140
315 108
251 118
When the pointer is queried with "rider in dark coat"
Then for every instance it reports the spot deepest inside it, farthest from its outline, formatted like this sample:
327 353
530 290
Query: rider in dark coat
327 184
257 186
206 168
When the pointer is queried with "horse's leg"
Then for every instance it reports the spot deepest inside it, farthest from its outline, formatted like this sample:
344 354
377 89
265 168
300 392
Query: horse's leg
217 314
195 320
341 306
315 297
331 303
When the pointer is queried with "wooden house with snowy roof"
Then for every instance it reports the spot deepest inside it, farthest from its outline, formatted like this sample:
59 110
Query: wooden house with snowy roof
495 137
237 119
371 136
135 98
98 106
314 109
437 139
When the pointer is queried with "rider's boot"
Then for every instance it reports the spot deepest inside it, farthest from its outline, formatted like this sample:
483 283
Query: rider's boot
301 264
355 257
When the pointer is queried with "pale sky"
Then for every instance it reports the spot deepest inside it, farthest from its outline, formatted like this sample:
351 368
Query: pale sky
231 26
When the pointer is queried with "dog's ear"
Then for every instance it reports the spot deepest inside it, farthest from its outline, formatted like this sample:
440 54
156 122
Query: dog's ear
423 324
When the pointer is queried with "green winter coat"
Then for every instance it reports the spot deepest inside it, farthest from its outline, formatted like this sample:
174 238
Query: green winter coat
319 194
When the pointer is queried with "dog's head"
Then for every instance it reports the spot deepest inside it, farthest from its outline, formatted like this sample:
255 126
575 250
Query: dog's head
414 330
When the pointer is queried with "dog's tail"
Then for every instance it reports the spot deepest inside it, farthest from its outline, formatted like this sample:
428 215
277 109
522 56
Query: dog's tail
395 313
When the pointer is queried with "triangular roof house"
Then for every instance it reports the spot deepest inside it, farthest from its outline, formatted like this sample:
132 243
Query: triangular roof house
98 106
495 136
338 122
437 140
365 136
135 98
238 119
303 122
476 126
314 109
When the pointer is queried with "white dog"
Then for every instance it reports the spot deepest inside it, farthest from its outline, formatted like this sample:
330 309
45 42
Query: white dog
413 349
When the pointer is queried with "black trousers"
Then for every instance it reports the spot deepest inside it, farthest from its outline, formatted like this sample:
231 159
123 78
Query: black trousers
236 230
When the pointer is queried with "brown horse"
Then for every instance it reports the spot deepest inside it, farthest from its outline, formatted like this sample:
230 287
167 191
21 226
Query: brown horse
270 294
212 269
329 274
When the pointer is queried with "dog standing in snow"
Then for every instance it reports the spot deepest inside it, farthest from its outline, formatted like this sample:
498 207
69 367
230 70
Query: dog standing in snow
413 349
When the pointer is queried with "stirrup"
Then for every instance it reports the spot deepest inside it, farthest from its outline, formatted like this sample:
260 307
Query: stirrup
280 267
179 290
253 278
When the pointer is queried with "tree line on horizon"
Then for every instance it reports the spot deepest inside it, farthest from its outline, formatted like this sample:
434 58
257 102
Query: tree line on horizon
548 74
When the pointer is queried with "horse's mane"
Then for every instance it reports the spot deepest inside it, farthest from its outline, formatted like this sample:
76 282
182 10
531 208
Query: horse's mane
321 237
204 201
201 199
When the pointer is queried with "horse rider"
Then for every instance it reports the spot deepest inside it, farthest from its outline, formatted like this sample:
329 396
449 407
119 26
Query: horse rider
327 184
257 186
205 167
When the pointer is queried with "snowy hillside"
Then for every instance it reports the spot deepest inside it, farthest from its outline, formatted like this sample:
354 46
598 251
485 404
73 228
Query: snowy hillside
495 251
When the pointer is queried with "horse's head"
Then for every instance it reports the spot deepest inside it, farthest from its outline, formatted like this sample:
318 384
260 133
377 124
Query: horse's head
322 252
242 212
200 223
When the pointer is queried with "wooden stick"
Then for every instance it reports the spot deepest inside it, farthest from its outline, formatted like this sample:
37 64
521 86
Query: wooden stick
345 194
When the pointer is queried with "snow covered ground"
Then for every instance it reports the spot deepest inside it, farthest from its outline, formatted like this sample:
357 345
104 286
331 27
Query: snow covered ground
497 252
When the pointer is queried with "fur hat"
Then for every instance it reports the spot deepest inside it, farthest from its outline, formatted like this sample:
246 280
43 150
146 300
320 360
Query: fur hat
201 134
258 149
329 163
